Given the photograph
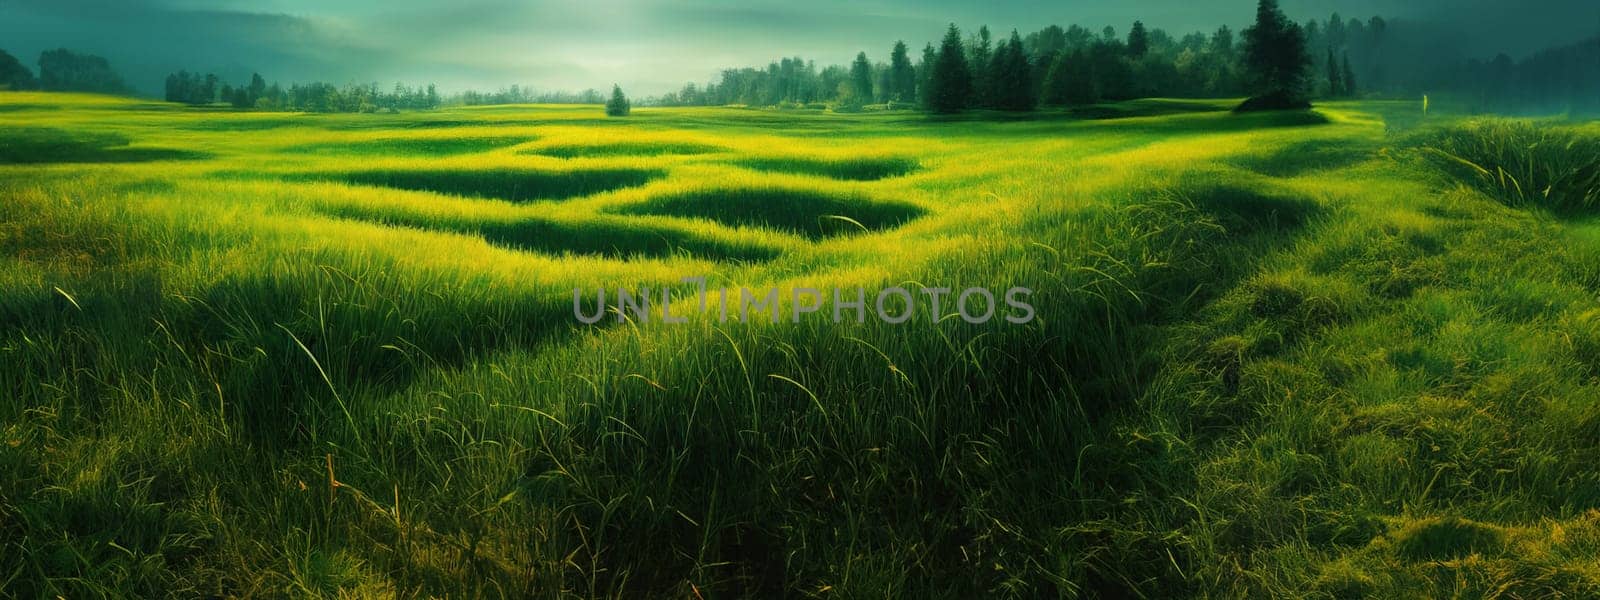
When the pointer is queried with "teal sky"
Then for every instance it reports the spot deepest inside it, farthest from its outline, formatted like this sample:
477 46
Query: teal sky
648 46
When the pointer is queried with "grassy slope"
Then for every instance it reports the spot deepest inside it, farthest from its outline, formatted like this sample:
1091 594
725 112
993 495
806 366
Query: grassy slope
1275 356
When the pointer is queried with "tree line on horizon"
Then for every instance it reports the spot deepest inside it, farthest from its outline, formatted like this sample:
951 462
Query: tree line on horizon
67 71
197 89
1057 66
62 70
1342 58
1053 67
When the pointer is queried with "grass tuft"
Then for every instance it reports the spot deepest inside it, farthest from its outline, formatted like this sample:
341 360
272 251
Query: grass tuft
1522 163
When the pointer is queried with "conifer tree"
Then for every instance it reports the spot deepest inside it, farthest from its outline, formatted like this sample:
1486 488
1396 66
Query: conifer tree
1138 41
1349 78
1053 90
979 54
860 80
1335 82
1011 77
617 106
1081 87
1275 57
950 82
902 77
925 75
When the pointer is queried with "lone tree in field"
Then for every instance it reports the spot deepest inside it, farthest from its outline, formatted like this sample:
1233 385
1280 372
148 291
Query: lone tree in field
950 83
1275 58
618 105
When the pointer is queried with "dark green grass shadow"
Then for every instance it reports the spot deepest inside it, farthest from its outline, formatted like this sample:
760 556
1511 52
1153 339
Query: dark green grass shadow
515 185
1149 107
815 215
228 123
1307 156
1244 210
1227 122
43 145
609 238
1447 538
849 169
411 147
625 149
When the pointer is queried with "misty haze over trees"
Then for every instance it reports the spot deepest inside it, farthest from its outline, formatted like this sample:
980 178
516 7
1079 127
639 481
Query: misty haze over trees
197 89
1336 57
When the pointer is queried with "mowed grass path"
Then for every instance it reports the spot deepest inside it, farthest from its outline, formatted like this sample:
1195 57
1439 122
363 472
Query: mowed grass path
255 354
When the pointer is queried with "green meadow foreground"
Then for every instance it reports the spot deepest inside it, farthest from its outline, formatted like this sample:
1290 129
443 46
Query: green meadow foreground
256 354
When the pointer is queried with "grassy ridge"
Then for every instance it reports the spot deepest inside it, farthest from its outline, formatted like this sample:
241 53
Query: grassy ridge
1274 357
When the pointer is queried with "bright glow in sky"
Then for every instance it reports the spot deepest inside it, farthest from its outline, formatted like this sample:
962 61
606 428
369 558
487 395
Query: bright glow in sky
648 46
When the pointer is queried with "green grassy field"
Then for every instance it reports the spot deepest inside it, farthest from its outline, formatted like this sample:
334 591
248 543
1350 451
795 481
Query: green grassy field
1330 354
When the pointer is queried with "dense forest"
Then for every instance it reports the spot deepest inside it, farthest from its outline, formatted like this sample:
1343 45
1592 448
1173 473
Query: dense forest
62 70
1346 57
1055 66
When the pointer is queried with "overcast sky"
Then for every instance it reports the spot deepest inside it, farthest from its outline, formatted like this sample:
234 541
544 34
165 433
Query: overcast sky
647 46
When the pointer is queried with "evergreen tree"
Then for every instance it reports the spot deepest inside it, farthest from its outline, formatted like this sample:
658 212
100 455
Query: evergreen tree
174 88
1335 83
1349 77
930 57
1053 91
258 88
885 83
1082 87
13 75
63 70
950 82
1138 41
1334 33
1046 44
980 53
860 81
902 77
617 106
1011 77
1222 43
1108 66
1275 55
